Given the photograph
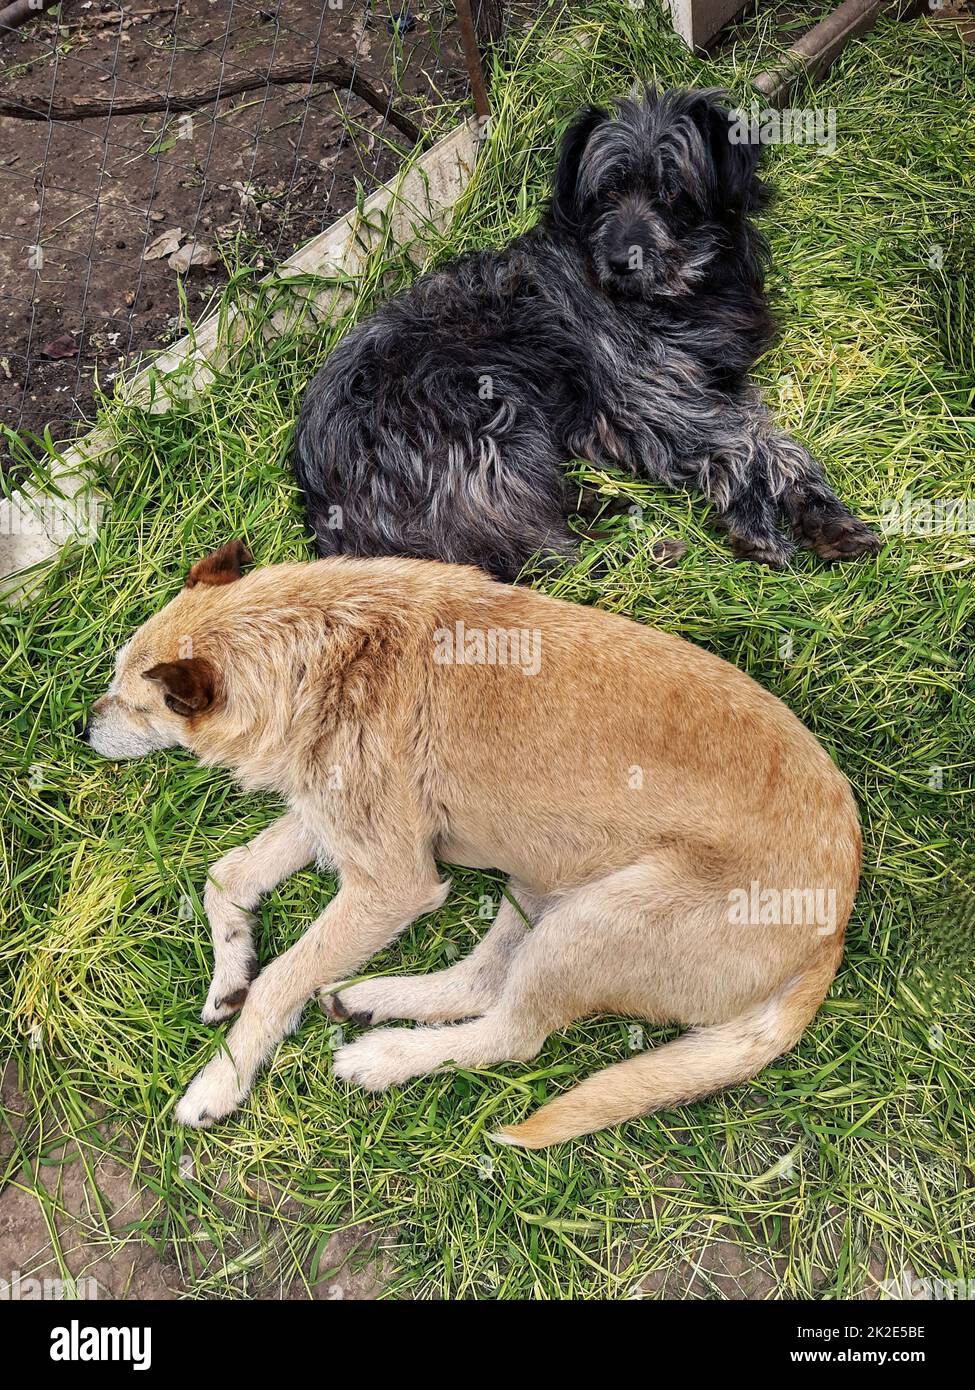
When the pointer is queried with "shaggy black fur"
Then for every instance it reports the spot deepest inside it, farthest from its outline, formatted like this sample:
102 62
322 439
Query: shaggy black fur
620 329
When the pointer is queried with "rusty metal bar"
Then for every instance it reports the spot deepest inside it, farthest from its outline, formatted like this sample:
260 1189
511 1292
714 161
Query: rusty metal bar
472 59
820 46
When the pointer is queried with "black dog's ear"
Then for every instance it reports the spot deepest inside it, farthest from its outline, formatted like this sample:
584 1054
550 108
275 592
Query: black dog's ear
734 154
565 203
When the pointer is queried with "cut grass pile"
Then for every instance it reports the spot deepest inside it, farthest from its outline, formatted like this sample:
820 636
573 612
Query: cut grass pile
848 1161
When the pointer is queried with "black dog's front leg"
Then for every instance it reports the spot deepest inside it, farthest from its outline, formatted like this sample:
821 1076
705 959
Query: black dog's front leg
821 522
676 446
750 517
756 473
753 475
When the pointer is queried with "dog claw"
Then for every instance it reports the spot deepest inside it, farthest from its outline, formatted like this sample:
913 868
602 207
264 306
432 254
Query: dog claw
228 993
202 1120
668 551
332 1006
223 1008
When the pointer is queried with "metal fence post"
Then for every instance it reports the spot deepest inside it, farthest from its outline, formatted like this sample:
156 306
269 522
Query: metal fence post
489 19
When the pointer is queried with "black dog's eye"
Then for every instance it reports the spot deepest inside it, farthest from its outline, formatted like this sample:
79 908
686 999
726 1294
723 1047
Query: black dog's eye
670 188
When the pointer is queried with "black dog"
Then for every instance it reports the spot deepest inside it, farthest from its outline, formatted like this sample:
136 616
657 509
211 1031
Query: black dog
619 330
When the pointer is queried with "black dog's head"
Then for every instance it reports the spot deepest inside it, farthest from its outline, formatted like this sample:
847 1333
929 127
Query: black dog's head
658 192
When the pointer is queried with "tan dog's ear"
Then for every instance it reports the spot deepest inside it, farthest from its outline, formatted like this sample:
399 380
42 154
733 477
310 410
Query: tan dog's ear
222 567
189 684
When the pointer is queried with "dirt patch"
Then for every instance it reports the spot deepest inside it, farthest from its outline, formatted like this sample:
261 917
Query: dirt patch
77 1224
57 1228
248 178
355 1266
74 1222
13 1113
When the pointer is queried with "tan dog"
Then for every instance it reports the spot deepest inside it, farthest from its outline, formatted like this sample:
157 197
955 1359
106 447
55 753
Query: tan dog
680 848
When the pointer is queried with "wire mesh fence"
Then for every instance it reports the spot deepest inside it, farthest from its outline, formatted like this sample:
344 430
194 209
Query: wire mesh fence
148 147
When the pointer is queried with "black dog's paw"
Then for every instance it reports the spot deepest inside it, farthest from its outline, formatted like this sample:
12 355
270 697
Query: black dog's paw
763 550
668 551
837 536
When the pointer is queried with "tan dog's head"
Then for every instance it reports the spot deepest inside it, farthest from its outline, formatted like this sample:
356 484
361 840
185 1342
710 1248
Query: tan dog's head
161 688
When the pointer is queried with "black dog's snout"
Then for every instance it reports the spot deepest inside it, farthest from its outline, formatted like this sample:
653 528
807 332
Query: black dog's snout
630 249
624 262
81 727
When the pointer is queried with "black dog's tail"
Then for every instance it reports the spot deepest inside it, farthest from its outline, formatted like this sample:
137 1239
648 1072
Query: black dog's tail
320 518
323 518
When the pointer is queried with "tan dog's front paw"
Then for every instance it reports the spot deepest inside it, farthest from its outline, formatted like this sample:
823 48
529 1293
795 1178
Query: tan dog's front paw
378 1060
362 1004
228 992
212 1095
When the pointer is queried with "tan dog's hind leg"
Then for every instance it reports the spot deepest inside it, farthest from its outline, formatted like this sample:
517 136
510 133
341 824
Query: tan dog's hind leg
234 887
617 945
364 916
540 993
464 990
391 1056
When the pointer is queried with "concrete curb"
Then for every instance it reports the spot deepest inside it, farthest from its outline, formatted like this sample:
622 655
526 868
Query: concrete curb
35 524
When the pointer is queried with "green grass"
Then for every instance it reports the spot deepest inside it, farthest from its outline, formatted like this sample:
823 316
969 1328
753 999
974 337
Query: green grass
849 1160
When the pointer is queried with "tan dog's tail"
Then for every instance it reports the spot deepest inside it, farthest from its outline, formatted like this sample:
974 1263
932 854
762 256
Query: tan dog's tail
692 1066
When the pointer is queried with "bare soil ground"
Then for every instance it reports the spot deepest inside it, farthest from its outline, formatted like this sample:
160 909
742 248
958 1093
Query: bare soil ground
90 1229
249 178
